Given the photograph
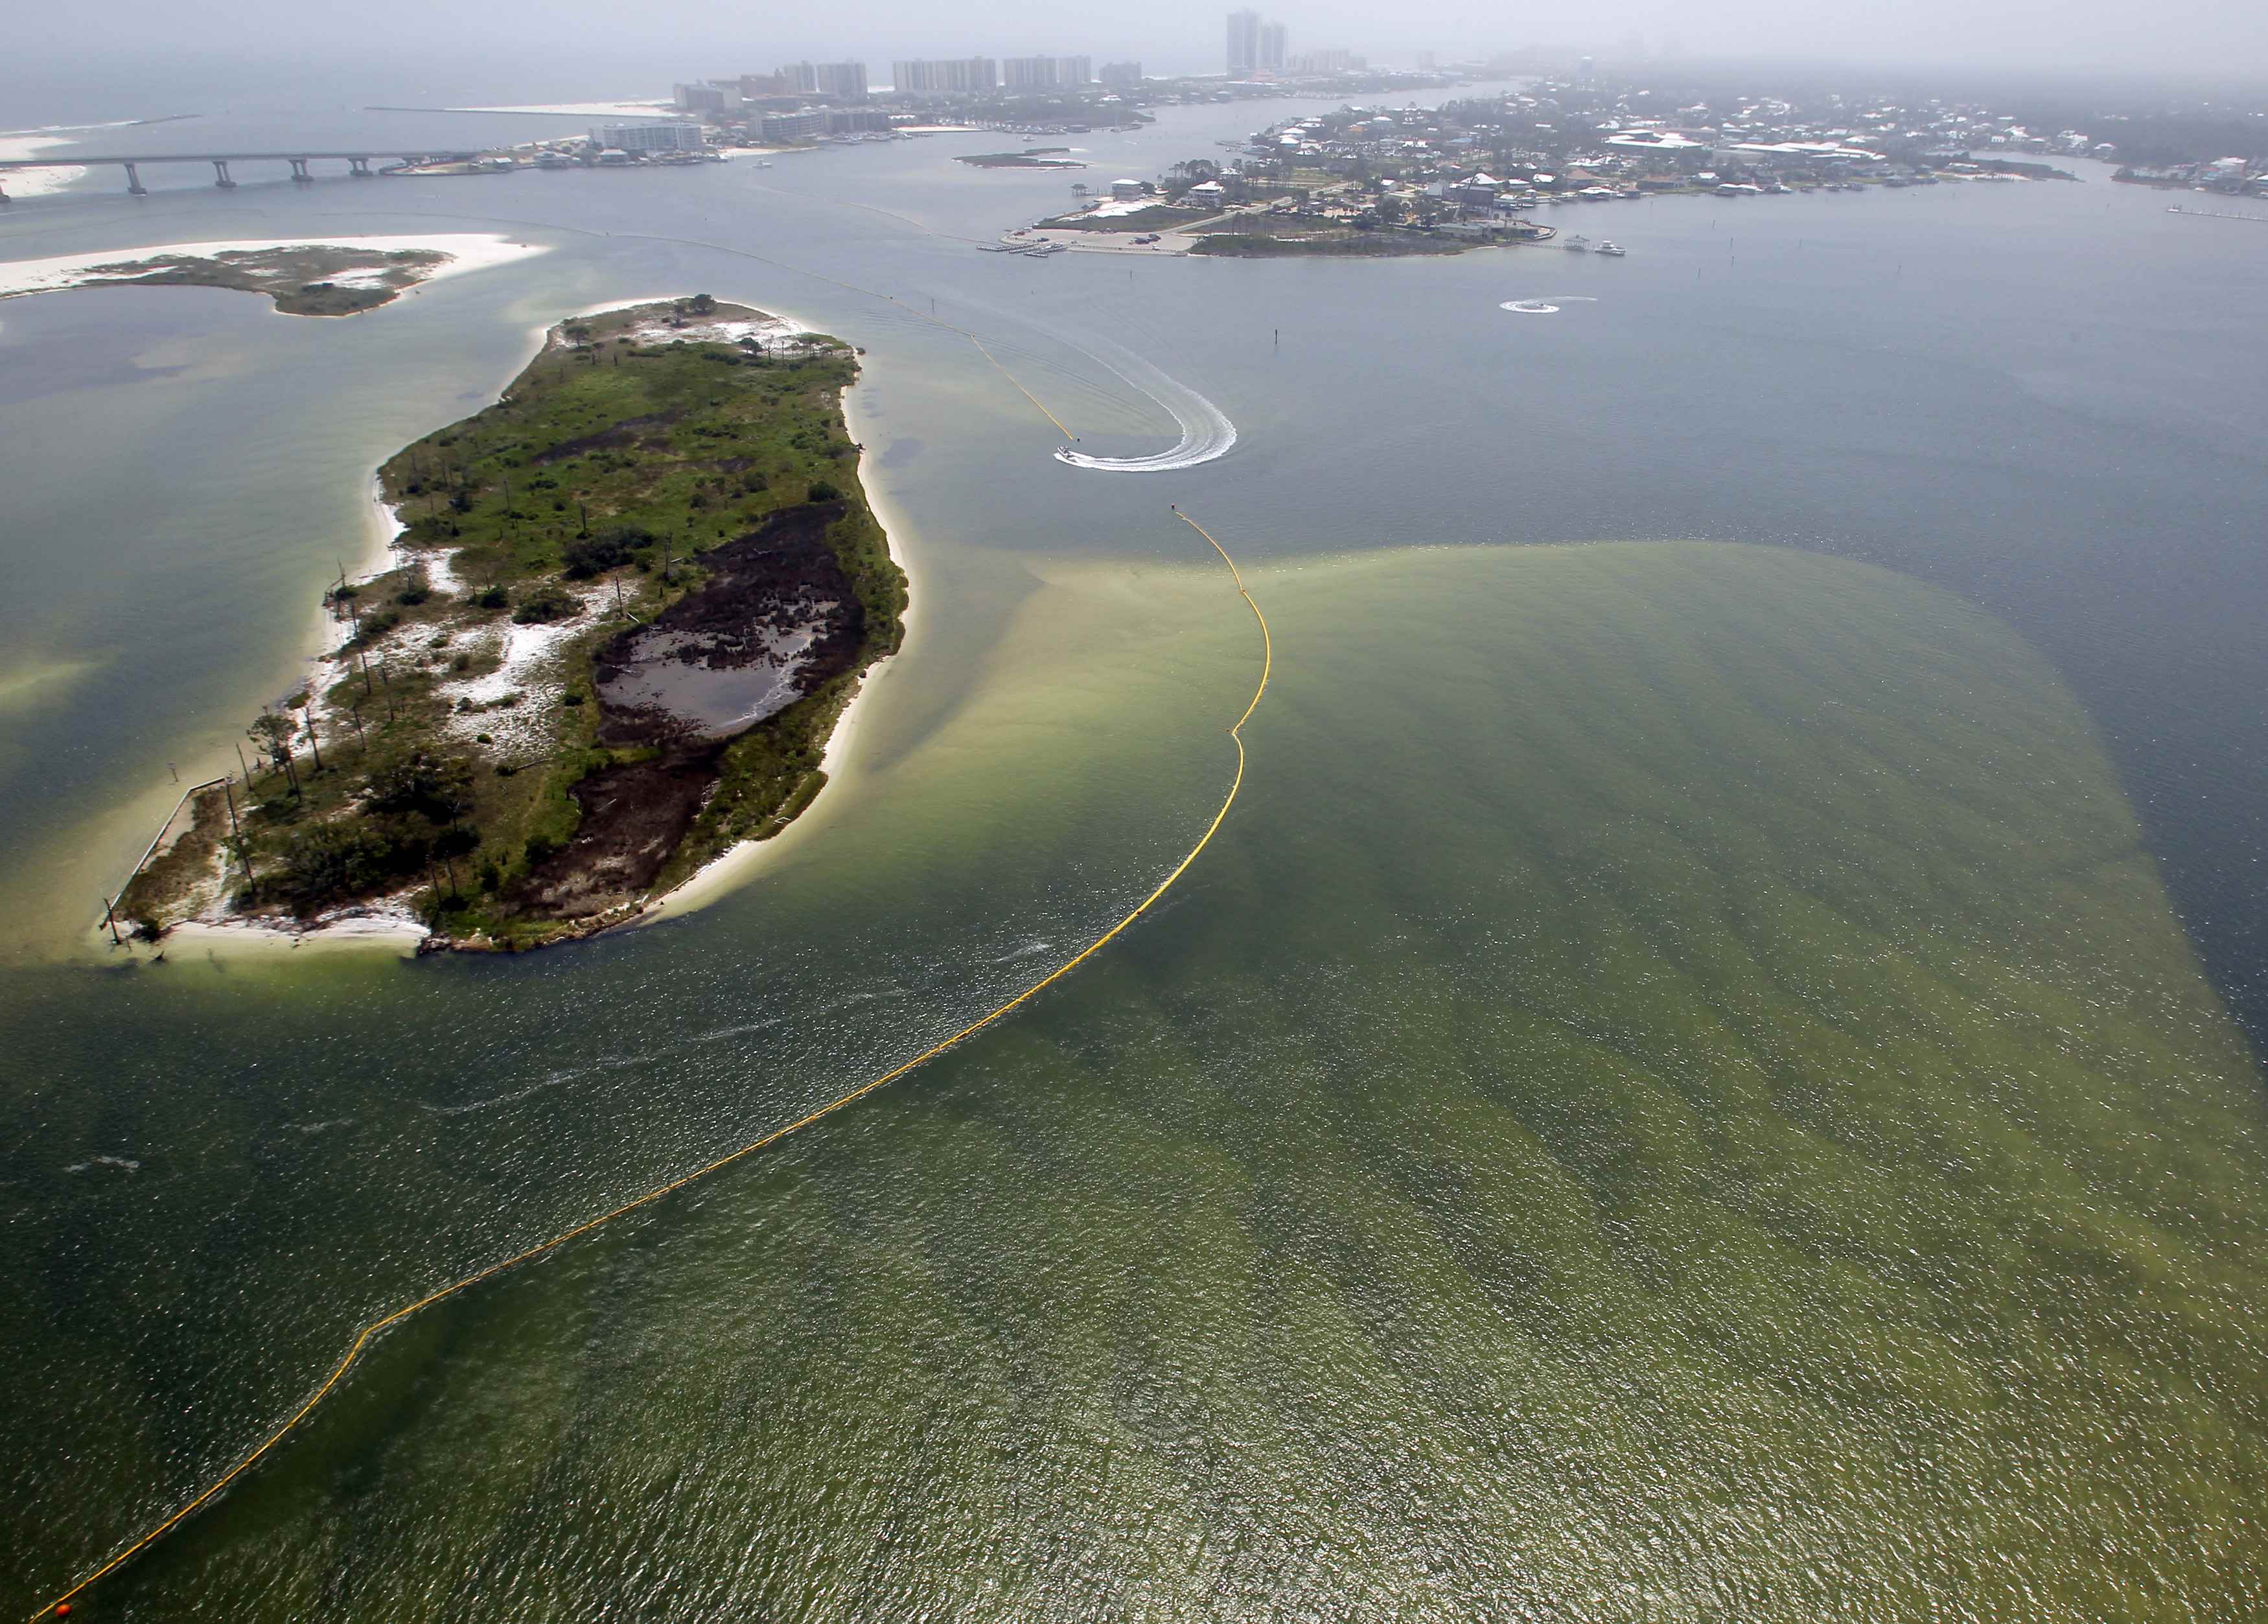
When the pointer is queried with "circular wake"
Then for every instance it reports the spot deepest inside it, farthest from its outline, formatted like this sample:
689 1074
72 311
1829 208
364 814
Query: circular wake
1206 432
1545 306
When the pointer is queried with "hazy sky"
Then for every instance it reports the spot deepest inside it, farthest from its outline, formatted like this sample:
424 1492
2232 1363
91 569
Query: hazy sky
2180 36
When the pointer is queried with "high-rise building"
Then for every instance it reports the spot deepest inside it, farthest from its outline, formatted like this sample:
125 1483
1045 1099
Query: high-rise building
1271 47
1123 74
1243 43
725 97
657 135
968 75
1028 73
793 126
837 81
841 81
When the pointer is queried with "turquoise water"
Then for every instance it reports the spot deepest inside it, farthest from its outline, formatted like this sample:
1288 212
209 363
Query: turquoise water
1678 1092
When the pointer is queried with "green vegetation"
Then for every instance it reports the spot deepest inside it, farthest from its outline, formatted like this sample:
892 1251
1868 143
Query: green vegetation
1030 158
577 507
1347 244
298 280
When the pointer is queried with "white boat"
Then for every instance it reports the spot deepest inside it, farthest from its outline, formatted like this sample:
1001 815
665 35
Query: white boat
1577 245
1613 250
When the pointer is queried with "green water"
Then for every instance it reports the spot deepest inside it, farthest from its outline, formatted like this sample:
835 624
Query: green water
1677 1094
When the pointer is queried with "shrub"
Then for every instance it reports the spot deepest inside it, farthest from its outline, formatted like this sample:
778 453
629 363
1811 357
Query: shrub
333 861
586 555
545 603
377 625
492 598
823 490
421 780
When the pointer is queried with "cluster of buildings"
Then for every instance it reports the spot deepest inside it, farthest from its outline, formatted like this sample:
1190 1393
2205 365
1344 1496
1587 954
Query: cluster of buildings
2232 177
798 102
1631 140
845 82
1259 48
1477 166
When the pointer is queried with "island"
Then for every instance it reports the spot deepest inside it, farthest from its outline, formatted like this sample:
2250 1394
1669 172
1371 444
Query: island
626 607
1030 158
343 277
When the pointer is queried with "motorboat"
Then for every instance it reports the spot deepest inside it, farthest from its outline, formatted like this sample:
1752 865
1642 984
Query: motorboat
1612 250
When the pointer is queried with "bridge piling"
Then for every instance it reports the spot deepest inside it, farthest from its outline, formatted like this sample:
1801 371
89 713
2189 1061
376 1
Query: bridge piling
299 170
134 187
220 175
358 167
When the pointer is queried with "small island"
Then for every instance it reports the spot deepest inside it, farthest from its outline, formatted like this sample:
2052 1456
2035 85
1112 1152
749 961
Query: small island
1030 158
341 279
626 606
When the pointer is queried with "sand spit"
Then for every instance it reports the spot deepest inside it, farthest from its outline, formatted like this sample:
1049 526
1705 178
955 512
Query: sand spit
466 252
22 184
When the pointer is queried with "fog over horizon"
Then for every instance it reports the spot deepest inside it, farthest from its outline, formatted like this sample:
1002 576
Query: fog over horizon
516 48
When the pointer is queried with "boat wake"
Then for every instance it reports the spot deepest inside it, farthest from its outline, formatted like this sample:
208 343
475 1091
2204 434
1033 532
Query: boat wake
1206 432
1545 306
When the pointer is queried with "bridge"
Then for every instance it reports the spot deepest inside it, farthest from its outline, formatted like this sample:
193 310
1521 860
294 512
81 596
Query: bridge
357 164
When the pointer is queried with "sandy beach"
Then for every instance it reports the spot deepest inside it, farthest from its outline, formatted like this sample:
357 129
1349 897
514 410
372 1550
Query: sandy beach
24 144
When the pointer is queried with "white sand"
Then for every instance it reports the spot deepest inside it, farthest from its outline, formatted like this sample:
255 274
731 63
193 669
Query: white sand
773 331
385 923
467 251
1110 209
388 551
33 182
771 334
528 658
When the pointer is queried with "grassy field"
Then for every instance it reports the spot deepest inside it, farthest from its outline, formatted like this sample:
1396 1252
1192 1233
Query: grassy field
1676 1095
578 505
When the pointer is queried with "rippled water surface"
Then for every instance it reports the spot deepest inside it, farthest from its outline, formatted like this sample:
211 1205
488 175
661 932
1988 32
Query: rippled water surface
1678 1092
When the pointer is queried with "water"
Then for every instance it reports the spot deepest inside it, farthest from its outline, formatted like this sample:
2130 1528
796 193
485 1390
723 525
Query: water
1571 1141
